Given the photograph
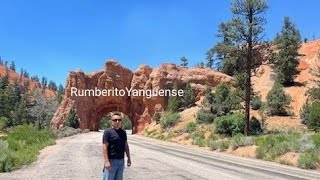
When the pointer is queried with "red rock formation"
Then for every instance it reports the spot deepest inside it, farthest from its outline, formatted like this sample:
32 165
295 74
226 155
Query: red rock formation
140 109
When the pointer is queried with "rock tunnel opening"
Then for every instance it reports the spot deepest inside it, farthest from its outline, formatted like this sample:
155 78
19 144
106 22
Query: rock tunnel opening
104 115
105 122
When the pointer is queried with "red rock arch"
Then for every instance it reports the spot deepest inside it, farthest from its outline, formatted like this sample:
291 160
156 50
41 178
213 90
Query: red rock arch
140 110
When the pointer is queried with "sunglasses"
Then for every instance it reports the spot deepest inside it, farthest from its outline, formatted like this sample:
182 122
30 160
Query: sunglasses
114 120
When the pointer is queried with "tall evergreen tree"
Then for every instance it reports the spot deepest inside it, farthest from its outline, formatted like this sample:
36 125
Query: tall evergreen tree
4 98
44 82
60 93
184 61
52 85
25 74
223 100
6 64
26 86
286 61
12 66
61 89
17 91
209 58
200 65
227 51
4 81
4 104
72 120
174 102
35 78
248 26
188 96
21 114
21 73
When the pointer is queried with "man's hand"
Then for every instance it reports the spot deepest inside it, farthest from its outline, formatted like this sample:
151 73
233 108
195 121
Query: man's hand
129 162
107 165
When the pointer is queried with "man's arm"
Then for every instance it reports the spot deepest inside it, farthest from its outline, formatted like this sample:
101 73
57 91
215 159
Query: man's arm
128 153
105 156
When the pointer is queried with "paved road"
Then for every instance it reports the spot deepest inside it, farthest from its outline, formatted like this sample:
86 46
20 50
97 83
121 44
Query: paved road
79 157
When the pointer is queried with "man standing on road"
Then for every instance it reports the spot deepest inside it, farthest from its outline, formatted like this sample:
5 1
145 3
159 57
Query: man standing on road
114 144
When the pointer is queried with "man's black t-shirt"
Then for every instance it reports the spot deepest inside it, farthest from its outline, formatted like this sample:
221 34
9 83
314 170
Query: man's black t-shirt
116 140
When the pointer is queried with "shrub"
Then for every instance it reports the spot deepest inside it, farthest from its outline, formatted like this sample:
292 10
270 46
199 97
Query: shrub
221 145
126 123
198 138
309 161
241 141
316 140
277 100
223 100
157 117
188 96
72 119
3 123
256 102
191 126
175 102
263 115
254 126
306 144
231 124
67 131
205 116
304 112
213 145
224 145
273 146
315 93
23 145
313 121
105 122
6 161
151 133
169 120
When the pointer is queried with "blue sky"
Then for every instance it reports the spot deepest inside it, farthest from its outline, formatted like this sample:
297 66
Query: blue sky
50 38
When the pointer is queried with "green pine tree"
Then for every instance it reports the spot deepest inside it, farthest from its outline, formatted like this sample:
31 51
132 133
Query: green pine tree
12 66
277 100
4 81
188 96
174 102
209 58
286 61
72 119
35 78
227 51
21 114
52 85
184 61
44 82
313 121
247 27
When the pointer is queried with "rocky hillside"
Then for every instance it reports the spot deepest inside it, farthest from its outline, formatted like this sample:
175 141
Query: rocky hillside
264 80
33 84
